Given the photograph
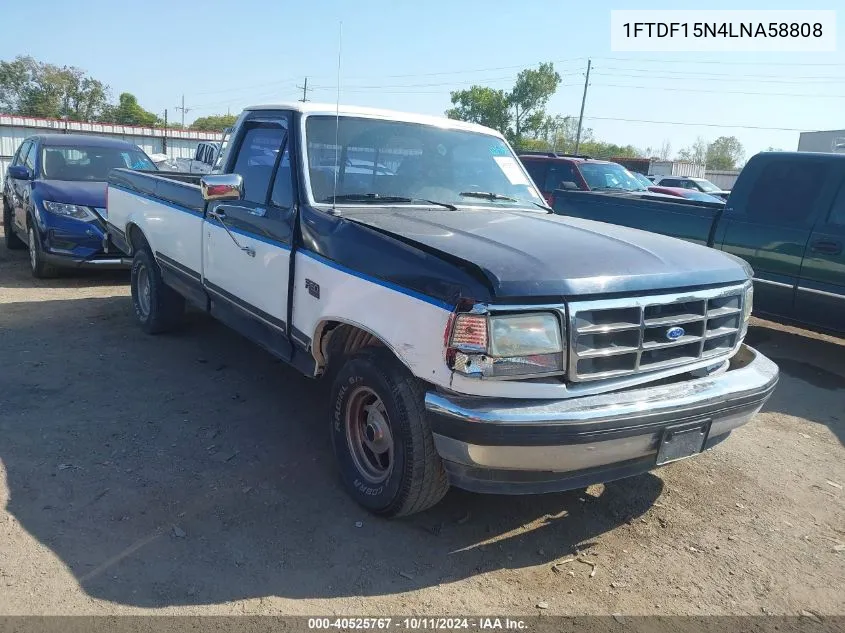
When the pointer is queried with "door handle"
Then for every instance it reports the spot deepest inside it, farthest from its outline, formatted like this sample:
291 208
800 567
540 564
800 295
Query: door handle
829 247
220 216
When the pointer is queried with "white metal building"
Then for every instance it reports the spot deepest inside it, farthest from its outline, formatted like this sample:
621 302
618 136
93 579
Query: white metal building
722 177
824 141
180 143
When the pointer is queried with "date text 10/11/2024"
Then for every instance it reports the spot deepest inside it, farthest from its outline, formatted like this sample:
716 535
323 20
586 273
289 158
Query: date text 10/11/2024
417 623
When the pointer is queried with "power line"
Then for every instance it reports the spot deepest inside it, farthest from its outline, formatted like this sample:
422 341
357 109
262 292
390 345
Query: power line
723 92
808 81
413 92
235 89
565 61
720 62
699 124
272 92
480 70
434 74
686 73
429 85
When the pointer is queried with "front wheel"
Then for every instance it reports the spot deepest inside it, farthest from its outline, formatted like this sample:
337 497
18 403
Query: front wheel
381 437
40 269
158 308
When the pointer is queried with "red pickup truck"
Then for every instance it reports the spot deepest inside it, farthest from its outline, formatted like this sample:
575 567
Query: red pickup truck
551 171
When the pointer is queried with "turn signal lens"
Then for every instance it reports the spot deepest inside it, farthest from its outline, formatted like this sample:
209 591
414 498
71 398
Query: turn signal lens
469 333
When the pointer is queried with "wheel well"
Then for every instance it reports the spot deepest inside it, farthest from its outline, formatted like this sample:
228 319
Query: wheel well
135 237
335 339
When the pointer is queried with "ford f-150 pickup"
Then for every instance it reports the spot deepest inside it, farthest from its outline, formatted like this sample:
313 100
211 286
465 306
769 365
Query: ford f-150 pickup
785 217
470 336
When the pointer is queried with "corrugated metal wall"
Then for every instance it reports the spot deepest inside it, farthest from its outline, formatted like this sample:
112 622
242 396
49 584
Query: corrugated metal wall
676 168
180 143
724 179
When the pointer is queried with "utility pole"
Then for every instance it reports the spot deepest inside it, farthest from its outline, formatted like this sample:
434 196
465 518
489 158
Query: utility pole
583 101
183 109
164 134
304 90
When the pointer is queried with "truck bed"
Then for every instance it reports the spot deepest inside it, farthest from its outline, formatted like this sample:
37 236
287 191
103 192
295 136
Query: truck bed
686 219
178 188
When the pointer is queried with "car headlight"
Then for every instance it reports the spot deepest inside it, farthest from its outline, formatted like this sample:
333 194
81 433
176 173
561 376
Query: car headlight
747 307
76 211
512 345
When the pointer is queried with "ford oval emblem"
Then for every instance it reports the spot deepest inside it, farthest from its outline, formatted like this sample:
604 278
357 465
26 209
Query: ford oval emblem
674 333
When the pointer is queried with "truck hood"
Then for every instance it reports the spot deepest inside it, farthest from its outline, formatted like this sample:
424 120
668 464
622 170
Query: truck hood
85 193
526 254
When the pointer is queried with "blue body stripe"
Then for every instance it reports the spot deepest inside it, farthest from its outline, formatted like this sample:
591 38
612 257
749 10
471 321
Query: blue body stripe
386 284
380 282
179 207
260 238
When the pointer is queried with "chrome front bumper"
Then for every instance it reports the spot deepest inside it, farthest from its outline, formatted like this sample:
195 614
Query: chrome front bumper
516 446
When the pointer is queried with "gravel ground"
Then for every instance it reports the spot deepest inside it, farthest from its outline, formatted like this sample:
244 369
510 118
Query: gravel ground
192 474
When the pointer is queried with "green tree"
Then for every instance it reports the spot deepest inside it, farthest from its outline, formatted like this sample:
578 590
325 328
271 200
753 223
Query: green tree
529 97
481 105
601 149
214 123
129 112
726 152
559 133
519 113
33 88
695 153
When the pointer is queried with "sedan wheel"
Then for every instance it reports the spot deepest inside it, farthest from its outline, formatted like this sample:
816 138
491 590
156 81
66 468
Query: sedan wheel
33 250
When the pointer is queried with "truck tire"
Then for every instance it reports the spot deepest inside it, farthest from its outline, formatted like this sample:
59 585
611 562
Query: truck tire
13 242
158 308
381 437
39 268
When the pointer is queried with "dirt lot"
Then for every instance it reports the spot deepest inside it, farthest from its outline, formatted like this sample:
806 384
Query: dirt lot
191 473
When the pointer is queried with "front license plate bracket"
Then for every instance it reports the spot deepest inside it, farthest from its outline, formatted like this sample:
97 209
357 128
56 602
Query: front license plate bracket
680 441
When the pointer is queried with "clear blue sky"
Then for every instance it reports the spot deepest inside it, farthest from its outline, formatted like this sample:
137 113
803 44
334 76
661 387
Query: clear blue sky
408 56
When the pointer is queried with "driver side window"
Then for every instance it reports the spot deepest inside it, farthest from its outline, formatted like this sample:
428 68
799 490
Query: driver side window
20 155
29 161
257 157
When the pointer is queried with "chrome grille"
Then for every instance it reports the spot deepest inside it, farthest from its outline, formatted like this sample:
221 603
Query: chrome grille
619 337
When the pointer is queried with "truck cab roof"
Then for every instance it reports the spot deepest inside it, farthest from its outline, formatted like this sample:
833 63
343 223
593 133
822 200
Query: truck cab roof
331 109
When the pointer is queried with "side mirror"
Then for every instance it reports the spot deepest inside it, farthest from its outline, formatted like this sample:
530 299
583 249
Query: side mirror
568 185
222 187
20 172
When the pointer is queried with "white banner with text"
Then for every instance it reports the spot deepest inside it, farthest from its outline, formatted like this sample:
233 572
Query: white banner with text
722 31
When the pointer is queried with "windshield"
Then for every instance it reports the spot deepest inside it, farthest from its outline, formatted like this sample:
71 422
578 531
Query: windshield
90 163
381 159
645 182
706 185
609 176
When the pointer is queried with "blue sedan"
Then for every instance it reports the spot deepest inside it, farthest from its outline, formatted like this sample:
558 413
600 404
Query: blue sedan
54 200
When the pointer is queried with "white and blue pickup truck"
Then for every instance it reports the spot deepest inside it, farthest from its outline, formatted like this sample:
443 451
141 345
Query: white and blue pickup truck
470 336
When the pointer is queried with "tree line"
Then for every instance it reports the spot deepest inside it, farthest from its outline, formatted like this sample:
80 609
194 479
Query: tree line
29 87
520 115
